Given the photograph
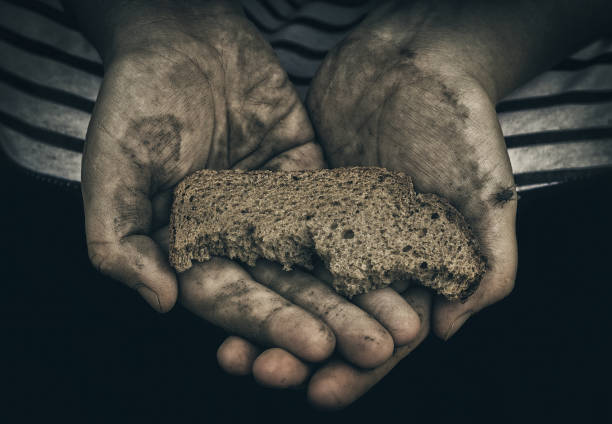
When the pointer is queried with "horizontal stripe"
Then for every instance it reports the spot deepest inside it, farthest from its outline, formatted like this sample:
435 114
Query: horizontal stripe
299 49
41 157
594 48
47 72
43 30
572 64
548 137
268 28
529 187
558 118
42 113
51 52
313 42
49 12
273 8
551 83
571 97
46 93
548 157
560 175
41 134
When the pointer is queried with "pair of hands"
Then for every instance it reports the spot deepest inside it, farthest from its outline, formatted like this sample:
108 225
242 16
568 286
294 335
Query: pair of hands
187 91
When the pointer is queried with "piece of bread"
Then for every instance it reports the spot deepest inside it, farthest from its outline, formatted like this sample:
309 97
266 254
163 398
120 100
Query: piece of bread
367 225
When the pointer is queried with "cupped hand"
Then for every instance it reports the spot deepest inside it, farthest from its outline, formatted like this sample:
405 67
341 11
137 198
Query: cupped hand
399 94
181 95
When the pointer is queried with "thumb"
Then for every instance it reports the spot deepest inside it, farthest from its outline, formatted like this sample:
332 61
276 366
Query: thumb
497 235
118 221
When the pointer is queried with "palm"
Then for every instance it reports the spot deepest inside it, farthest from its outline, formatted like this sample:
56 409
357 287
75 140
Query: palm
176 103
189 107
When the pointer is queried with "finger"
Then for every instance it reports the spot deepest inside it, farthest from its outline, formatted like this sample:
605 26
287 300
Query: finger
273 119
161 206
274 368
400 286
387 306
338 384
359 337
116 189
237 355
224 294
277 368
162 238
393 312
498 242
306 156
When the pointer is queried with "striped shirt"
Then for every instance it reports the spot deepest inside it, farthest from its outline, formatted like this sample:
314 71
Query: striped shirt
557 127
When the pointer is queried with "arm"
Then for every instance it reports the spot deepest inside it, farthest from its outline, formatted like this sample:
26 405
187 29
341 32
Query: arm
500 43
115 24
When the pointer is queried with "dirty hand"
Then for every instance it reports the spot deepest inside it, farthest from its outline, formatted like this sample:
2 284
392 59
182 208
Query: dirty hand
187 88
385 100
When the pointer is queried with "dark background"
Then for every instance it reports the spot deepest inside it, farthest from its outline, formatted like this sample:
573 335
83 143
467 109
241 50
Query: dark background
76 346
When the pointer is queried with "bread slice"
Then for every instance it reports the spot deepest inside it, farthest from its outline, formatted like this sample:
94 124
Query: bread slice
367 225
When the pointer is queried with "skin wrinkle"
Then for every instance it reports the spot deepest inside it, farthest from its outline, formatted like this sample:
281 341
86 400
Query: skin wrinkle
274 155
271 128
131 216
235 292
154 143
262 121
296 158
210 90
263 327
97 258
379 123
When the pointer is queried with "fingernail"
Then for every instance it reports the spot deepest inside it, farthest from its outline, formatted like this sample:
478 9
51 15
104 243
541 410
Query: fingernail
456 324
150 296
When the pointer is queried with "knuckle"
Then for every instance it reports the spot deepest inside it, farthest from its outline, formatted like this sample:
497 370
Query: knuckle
327 393
371 349
407 332
277 77
321 345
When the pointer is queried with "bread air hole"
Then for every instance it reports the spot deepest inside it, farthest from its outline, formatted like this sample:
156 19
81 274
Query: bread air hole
348 234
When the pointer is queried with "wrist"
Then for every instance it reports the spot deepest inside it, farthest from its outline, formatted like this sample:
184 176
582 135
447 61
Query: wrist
421 33
118 27
499 44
